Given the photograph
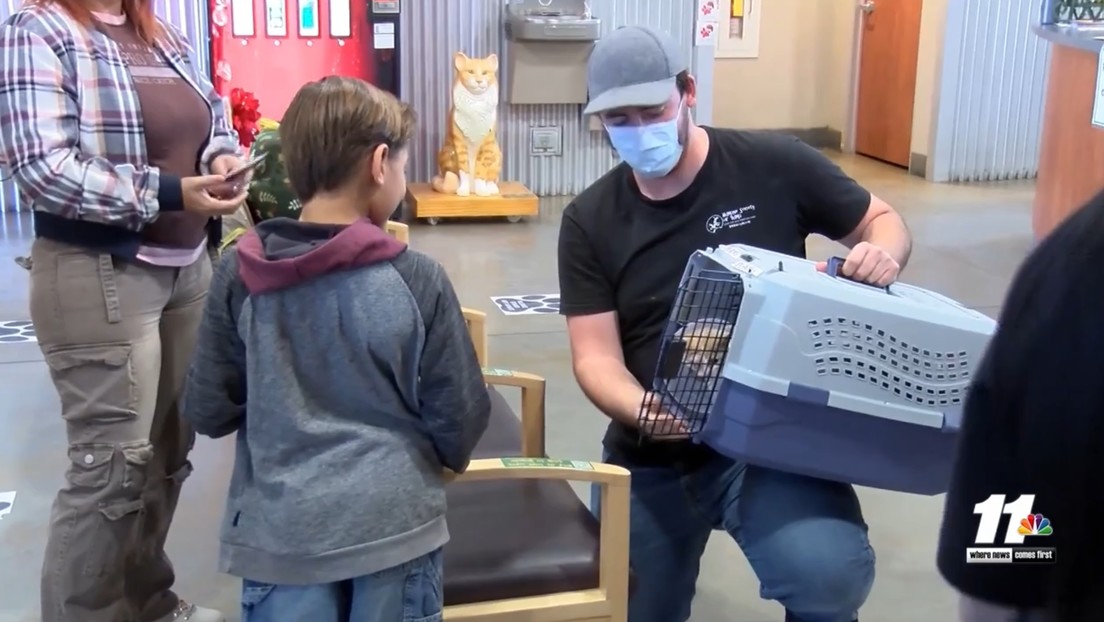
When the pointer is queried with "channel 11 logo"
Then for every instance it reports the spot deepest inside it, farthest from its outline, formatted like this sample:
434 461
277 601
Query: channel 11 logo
1023 523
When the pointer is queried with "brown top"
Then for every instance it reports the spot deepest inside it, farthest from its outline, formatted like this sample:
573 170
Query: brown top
176 121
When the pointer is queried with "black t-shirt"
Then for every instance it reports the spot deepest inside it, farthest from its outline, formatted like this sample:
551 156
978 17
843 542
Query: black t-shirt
619 251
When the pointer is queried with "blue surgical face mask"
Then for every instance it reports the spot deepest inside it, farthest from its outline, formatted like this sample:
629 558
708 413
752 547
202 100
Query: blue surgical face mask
651 150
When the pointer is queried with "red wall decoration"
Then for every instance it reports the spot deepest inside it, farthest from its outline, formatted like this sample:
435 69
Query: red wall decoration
270 48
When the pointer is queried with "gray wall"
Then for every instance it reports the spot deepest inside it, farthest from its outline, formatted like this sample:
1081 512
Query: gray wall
433 30
988 120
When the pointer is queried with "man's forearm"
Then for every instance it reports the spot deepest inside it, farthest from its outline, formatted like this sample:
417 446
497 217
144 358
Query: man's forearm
610 387
889 233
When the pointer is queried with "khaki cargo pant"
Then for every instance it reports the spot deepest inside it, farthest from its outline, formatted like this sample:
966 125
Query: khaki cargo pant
118 339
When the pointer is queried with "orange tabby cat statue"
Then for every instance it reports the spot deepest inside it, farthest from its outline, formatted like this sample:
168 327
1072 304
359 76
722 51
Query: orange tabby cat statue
470 160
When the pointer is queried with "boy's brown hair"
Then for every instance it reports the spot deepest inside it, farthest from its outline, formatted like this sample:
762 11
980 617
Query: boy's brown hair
332 125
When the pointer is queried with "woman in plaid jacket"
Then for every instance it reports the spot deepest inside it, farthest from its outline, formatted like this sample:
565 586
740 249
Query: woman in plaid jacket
121 148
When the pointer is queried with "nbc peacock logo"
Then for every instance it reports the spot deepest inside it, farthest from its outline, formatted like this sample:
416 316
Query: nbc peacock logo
1035 525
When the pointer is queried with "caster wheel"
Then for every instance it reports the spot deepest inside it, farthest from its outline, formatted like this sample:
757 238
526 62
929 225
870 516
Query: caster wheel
433 221
513 219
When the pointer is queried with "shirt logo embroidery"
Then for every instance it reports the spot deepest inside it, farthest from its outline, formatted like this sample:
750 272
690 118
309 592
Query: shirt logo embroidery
730 219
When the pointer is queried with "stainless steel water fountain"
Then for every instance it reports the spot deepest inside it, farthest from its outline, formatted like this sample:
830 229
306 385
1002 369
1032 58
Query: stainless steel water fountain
551 20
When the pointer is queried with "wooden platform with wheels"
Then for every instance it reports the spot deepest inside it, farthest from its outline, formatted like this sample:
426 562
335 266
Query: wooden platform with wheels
514 203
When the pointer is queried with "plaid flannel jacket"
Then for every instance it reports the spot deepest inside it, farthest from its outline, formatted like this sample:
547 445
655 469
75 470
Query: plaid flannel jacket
71 131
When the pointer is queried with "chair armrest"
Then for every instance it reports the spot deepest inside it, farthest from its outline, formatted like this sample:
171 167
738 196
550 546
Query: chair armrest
477 330
613 482
484 469
399 231
532 406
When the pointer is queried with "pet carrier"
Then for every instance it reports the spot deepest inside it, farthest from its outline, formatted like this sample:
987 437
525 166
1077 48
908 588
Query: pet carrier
771 362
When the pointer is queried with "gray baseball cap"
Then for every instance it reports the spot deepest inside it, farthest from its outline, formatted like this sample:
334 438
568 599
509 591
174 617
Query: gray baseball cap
632 66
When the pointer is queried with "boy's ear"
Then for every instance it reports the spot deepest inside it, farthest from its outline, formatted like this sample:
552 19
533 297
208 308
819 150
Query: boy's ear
376 162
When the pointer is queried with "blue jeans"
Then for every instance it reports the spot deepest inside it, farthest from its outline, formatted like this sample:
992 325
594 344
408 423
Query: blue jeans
805 539
407 593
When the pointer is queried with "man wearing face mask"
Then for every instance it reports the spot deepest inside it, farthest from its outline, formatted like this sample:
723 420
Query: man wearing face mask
623 245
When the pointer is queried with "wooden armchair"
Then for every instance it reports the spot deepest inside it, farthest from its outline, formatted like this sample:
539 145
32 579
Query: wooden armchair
524 548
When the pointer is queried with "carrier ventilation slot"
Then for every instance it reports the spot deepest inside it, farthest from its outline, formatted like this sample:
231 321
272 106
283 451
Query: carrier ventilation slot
692 353
868 354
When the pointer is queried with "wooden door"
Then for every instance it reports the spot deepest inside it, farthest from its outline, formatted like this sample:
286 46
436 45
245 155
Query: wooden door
887 79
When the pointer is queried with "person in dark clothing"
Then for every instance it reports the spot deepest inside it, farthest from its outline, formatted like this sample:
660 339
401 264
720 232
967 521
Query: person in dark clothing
1033 433
342 360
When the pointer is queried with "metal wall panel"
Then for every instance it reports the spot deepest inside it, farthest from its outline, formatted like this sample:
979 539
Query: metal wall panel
9 198
989 114
433 30
190 16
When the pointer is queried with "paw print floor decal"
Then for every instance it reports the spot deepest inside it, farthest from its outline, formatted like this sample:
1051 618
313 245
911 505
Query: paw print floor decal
7 501
528 304
17 331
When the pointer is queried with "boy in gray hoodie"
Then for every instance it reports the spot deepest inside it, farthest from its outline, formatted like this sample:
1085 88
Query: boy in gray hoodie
341 359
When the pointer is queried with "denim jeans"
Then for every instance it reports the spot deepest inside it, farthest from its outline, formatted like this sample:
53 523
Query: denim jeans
407 593
805 539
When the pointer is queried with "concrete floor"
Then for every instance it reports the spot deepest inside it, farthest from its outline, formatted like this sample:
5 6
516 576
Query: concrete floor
968 242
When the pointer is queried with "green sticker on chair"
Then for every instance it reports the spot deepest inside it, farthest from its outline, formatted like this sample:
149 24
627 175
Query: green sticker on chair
546 463
490 371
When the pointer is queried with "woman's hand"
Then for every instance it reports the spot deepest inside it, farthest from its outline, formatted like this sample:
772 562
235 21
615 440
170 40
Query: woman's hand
224 165
202 196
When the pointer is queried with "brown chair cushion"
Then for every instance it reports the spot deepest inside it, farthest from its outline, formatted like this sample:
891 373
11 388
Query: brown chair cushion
512 539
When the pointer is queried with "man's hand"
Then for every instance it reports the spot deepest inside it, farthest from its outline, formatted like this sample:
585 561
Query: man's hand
869 264
657 423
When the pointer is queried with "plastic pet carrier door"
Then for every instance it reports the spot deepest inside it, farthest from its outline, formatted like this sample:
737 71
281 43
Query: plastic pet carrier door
694 346
771 362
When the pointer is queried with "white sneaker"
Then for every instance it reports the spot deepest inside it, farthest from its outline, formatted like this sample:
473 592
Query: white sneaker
187 612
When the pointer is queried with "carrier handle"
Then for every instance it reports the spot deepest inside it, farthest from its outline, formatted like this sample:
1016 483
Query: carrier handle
835 264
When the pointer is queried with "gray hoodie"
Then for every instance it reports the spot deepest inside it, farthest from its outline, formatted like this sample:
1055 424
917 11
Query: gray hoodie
342 360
